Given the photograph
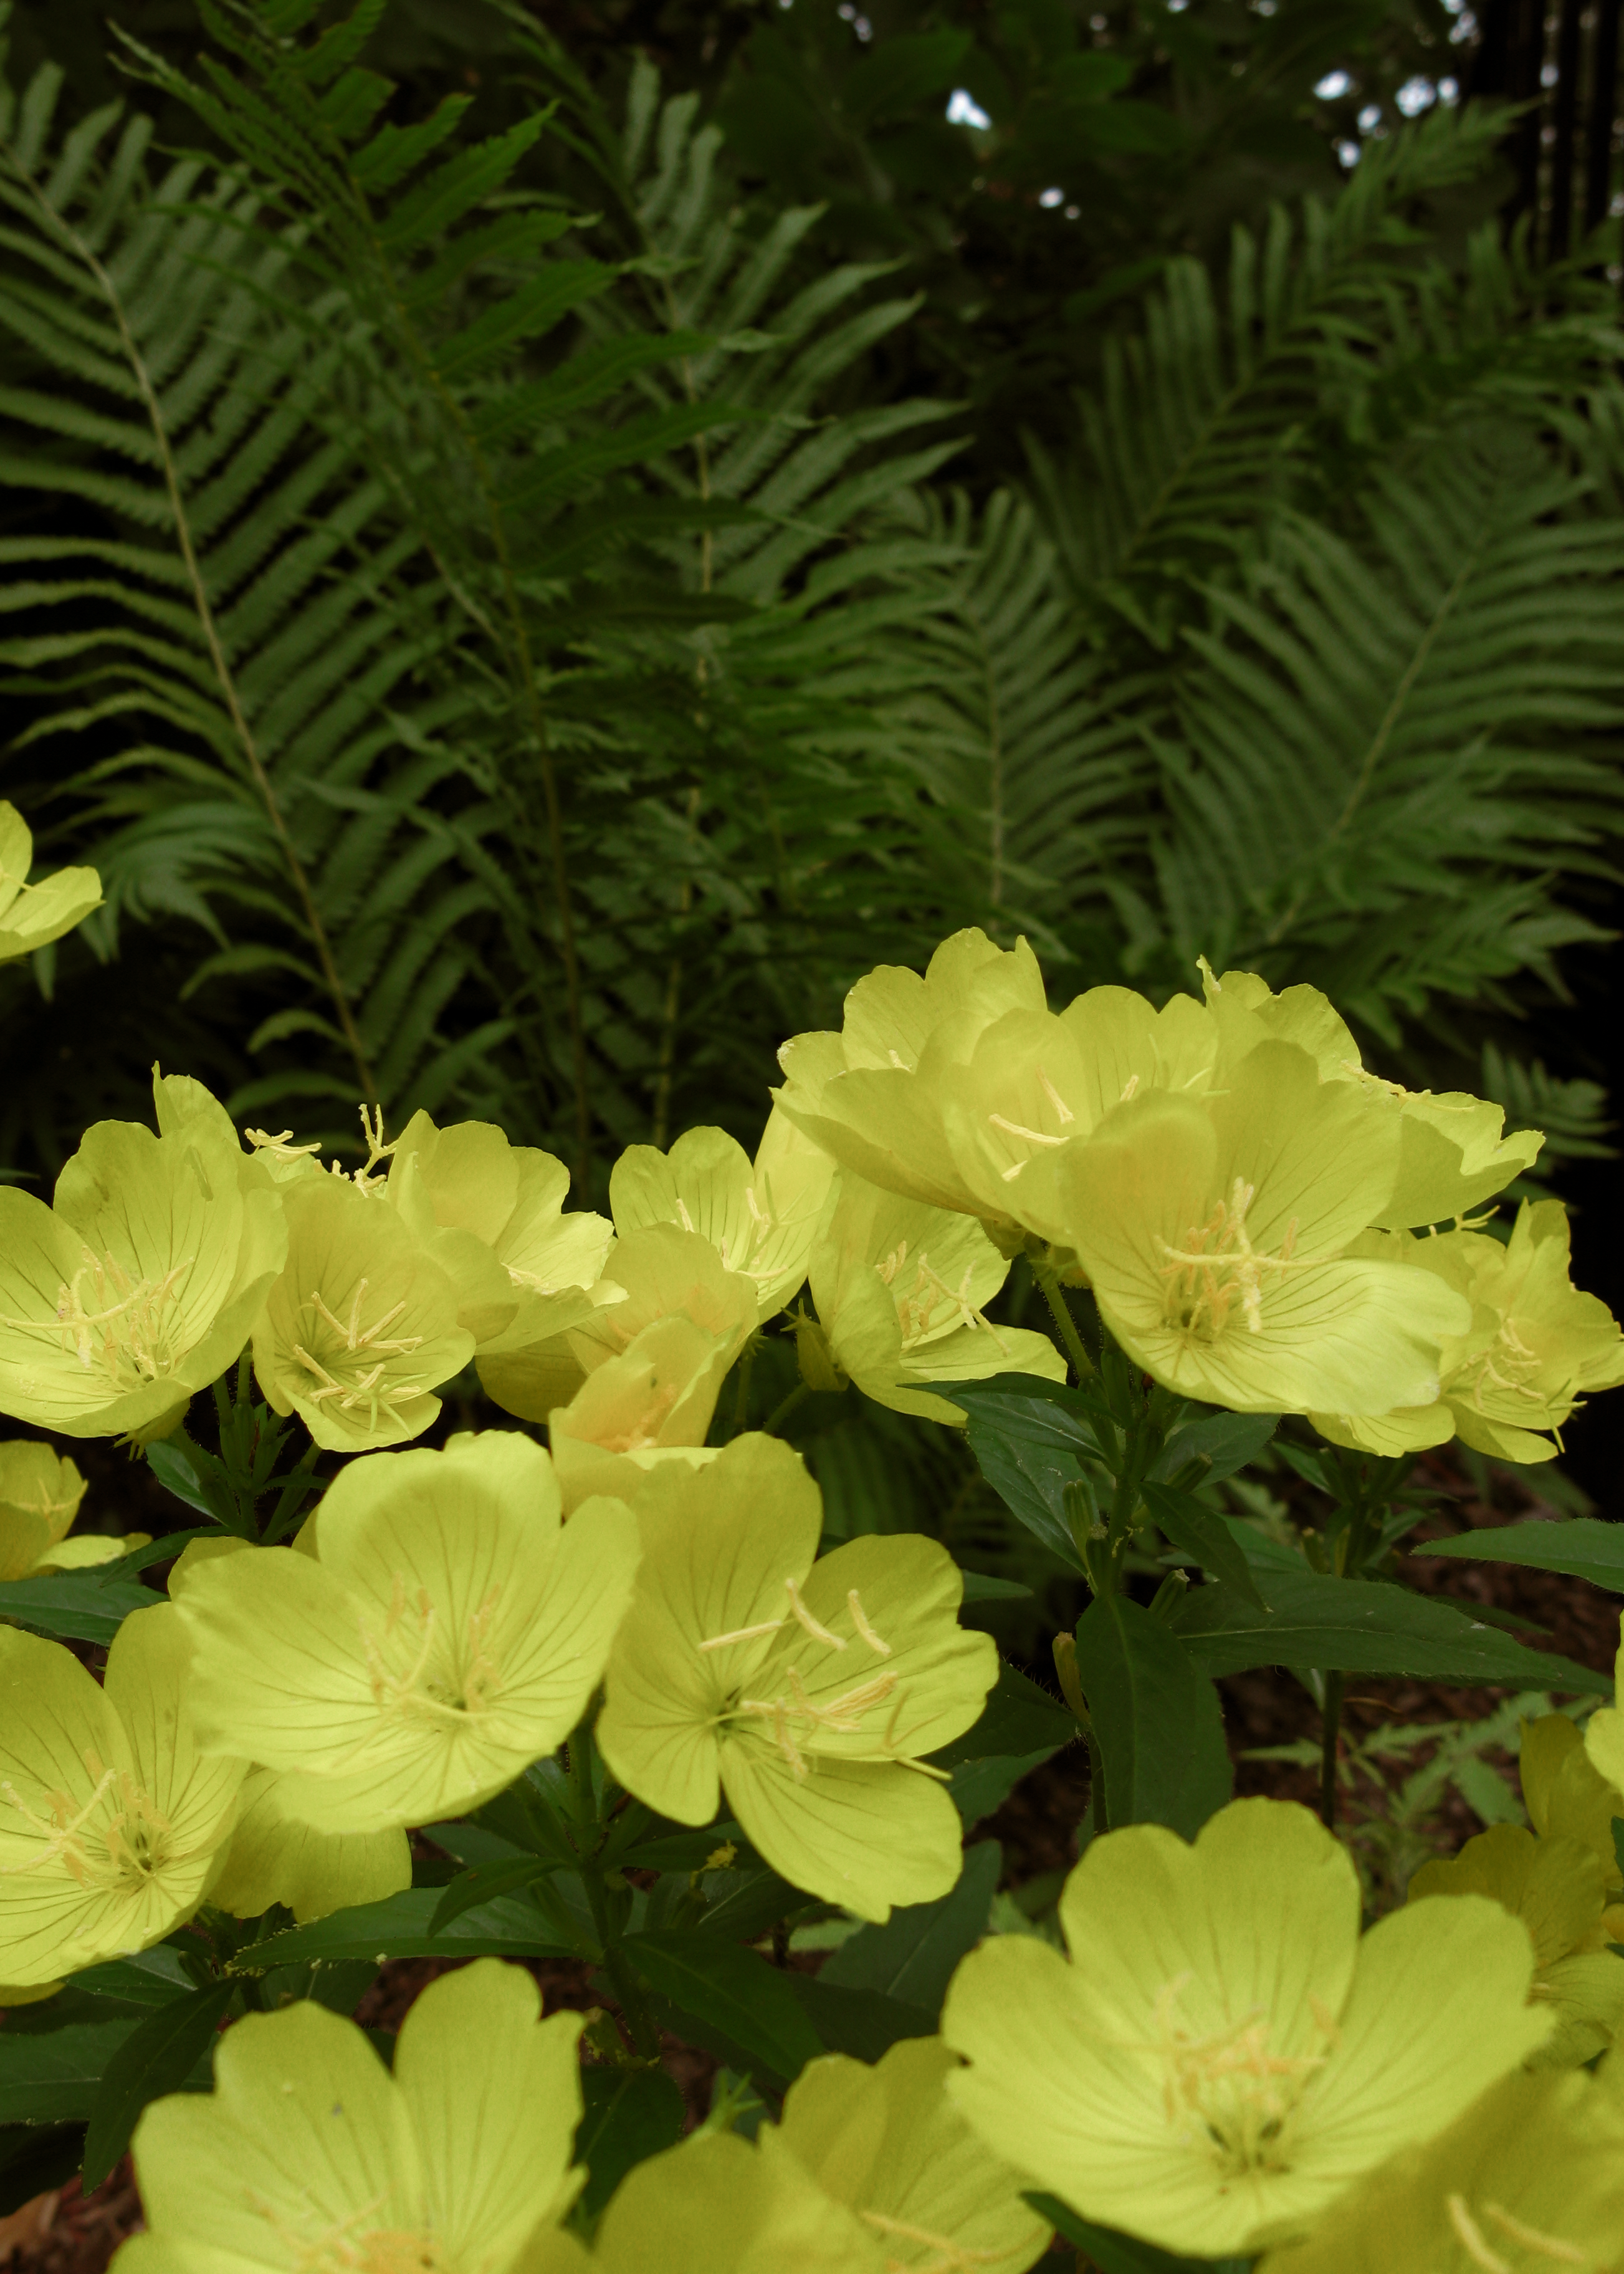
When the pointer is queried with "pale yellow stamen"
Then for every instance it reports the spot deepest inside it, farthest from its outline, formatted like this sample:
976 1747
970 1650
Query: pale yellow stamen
1472 2239
683 1218
1128 1088
1219 1263
955 2258
743 1634
1531 2238
1019 1129
799 1611
860 1621
1063 1111
278 1146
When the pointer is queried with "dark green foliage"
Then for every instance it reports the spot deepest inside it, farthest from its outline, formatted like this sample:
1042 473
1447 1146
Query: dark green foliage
481 584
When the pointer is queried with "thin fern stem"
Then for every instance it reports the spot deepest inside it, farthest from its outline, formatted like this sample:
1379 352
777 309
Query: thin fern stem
69 235
1386 726
522 654
672 1006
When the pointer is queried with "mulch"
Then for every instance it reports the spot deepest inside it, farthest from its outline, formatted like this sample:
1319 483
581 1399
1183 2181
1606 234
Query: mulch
67 2233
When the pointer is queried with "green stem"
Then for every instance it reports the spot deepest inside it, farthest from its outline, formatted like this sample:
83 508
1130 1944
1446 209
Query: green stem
1082 1364
785 1407
1096 1784
1335 1684
630 1998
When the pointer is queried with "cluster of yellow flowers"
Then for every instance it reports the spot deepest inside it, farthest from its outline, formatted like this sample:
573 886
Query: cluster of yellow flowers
1221 2066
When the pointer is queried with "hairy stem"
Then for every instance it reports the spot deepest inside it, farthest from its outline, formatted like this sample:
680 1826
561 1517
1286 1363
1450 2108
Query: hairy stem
70 237
1082 1364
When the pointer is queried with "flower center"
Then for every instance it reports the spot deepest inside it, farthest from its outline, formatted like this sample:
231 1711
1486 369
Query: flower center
131 1331
421 1668
1231 2092
353 1365
920 1308
792 1718
1218 1268
1505 1365
117 1842
350 2246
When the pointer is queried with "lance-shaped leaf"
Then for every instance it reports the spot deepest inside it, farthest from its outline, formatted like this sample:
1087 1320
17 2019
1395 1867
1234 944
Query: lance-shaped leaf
1156 1720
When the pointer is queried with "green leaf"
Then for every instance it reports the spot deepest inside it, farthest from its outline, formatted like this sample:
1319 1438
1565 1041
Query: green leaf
469 1889
741 1994
911 1957
1205 1535
1156 1720
753 1900
339 1985
1360 1626
1017 1720
509 1926
985 1587
1031 1440
862 2022
679 1851
977 1788
1223 1443
1123 2253
157 2057
148 1978
1581 1548
630 2114
75 1605
52 2076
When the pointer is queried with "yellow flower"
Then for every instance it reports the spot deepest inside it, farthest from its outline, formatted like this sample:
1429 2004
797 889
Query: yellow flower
1557 1888
139 1286
807 1690
309 2155
1566 1796
112 1823
760 1217
40 1495
718 2204
1220 1234
651 1405
889 2144
1528 2181
274 1857
1223 2055
869 1095
32 915
491 1215
1534 1345
901 1290
1452 1154
447 1631
361 1325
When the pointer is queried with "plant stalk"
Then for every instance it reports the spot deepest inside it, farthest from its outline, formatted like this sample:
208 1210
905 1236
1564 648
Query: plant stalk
1049 1280
216 651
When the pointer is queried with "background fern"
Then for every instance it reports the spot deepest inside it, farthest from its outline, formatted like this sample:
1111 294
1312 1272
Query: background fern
618 649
